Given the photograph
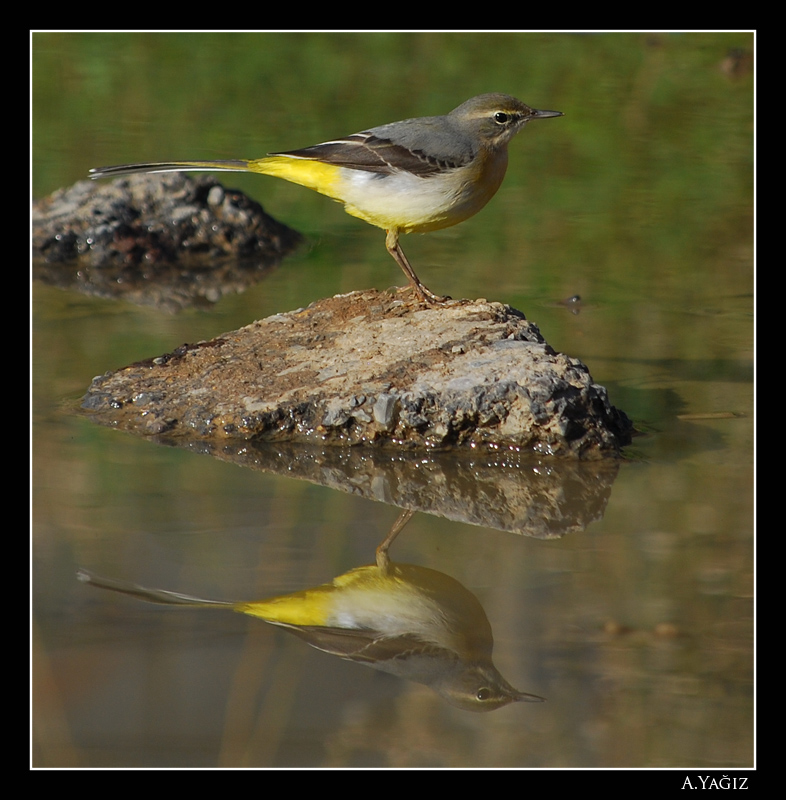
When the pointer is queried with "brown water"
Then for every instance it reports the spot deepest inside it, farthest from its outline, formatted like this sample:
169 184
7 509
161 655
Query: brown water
638 628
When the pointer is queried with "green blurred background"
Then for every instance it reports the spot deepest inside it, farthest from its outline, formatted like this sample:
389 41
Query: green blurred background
640 199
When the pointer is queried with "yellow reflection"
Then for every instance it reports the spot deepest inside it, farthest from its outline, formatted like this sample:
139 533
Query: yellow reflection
403 619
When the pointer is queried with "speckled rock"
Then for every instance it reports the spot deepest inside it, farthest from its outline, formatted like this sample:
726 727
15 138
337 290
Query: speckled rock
165 240
164 218
373 368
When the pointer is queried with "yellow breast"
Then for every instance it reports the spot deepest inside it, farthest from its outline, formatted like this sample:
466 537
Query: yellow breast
398 200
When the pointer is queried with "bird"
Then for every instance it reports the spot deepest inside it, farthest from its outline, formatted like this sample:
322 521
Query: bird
410 621
414 175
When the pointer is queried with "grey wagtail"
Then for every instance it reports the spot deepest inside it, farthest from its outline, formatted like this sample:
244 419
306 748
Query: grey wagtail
418 175
406 620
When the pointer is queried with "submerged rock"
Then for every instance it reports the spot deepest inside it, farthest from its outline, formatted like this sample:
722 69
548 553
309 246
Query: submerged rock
154 218
166 240
372 367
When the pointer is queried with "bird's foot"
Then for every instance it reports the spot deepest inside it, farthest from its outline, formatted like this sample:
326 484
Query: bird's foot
427 296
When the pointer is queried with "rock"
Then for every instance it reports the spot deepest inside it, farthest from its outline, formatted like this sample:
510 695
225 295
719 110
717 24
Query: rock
373 368
167 240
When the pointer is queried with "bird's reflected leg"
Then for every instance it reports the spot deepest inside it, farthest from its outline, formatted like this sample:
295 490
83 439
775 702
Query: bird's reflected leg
383 560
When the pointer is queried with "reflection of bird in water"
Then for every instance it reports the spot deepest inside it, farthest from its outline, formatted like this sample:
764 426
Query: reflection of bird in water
403 619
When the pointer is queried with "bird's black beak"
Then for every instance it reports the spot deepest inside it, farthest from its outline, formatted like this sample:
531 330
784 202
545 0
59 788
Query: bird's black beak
537 114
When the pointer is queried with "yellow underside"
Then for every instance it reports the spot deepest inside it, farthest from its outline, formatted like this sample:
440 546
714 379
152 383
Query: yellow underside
322 178
316 607
398 201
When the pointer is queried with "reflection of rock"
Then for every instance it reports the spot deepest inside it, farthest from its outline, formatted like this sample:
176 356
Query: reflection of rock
167 240
521 493
410 621
508 491
371 367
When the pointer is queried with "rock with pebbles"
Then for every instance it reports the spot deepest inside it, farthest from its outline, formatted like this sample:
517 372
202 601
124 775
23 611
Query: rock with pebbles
372 368
169 240
154 218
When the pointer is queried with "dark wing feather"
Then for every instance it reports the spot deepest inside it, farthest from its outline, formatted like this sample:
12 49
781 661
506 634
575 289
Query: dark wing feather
371 153
362 645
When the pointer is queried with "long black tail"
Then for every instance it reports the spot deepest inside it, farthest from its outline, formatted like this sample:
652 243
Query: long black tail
151 595
235 165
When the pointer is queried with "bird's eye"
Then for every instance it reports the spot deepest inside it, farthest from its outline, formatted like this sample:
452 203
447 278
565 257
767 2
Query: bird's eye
483 694
501 117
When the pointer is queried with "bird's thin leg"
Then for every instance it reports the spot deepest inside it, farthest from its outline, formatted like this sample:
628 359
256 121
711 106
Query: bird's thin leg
383 560
394 248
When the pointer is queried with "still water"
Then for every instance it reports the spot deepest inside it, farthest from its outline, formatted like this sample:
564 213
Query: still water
623 596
